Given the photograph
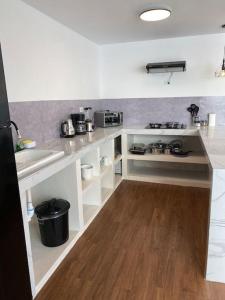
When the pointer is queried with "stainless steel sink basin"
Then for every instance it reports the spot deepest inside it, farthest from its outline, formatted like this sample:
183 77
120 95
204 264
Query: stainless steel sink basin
33 159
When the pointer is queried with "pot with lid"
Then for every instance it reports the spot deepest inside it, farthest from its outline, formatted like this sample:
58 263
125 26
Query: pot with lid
53 222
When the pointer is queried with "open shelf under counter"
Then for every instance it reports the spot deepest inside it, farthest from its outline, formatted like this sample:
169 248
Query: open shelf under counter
195 158
105 169
46 259
86 184
89 212
166 176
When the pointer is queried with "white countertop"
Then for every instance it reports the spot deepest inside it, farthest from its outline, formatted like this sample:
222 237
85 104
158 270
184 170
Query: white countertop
83 142
212 138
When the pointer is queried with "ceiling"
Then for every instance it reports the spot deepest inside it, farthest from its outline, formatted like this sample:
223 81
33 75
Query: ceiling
114 21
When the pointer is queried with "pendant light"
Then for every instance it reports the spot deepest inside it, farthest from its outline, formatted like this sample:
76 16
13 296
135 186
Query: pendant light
221 73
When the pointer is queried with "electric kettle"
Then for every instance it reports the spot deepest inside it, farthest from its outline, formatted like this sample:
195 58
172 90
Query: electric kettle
67 129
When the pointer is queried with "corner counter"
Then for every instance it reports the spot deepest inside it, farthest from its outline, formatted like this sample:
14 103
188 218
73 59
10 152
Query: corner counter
63 178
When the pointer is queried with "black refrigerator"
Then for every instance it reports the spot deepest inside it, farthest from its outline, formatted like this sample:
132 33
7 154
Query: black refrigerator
14 273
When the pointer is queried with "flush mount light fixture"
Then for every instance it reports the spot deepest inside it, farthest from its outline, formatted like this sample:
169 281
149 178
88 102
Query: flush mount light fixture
221 73
155 14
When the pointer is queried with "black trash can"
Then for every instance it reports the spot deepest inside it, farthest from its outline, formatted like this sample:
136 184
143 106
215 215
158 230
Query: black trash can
53 221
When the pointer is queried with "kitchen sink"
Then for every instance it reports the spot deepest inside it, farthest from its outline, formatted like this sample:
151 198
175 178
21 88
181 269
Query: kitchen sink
31 160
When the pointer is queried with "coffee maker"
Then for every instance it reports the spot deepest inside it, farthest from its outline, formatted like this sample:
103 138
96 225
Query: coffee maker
79 123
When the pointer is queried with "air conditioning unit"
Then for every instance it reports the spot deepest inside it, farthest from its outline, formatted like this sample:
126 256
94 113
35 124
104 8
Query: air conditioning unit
166 67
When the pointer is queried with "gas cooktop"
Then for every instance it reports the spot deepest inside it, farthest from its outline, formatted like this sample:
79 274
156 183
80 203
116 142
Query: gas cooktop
166 125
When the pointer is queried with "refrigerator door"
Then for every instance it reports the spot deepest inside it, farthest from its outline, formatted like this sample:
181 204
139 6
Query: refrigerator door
14 273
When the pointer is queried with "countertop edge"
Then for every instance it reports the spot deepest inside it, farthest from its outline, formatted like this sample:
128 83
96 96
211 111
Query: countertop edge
101 135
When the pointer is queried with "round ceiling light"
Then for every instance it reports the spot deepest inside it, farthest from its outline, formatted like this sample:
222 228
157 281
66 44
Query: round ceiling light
153 15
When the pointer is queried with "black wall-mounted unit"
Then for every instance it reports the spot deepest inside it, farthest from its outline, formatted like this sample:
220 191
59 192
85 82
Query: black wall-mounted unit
166 67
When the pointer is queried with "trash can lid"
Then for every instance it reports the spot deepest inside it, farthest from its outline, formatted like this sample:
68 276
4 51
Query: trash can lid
52 208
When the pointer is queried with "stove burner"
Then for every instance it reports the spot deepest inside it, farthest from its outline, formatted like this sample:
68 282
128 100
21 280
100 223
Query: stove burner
167 125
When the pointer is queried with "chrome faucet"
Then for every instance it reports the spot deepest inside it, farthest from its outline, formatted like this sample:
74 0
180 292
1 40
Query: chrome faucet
16 128
18 146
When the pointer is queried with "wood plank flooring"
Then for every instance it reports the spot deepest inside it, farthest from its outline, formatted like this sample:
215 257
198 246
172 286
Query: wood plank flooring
148 243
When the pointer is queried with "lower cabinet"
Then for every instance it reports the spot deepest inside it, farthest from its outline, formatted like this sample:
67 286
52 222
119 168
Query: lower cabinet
107 164
63 180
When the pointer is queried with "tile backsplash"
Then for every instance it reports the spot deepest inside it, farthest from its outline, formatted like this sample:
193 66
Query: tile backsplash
40 120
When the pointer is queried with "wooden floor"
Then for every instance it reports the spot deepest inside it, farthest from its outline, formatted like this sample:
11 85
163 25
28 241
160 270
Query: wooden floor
148 243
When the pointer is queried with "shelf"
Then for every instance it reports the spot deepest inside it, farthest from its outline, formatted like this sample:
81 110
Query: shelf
168 176
47 259
117 180
89 212
117 159
106 193
196 158
86 184
105 169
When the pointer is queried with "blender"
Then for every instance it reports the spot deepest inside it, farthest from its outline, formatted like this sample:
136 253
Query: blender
88 119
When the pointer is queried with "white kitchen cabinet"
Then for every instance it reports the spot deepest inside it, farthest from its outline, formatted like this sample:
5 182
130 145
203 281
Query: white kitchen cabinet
57 180
62 179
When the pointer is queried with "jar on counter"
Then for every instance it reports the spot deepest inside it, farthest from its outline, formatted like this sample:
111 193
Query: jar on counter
196 121
204 123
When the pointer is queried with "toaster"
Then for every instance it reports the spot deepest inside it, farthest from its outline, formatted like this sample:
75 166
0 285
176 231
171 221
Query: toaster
107 118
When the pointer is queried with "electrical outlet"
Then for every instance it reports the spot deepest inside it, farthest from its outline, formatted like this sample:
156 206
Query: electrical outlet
81 109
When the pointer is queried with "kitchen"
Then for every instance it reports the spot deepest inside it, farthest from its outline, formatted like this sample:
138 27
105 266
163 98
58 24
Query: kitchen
123 123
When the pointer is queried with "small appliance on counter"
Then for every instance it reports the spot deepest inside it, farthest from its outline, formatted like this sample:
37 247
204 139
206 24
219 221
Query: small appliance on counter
107 118
79 123
67 129
88 119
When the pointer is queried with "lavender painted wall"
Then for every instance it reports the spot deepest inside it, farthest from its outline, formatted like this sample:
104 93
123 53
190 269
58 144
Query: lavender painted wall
143 111
40 120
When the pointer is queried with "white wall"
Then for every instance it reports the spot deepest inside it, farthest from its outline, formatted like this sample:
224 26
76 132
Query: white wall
43 59
124 76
